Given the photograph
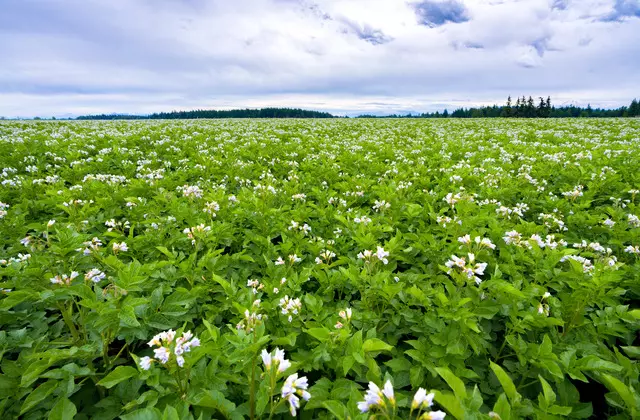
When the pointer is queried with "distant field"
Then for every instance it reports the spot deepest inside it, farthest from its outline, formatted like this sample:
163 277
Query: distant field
493 263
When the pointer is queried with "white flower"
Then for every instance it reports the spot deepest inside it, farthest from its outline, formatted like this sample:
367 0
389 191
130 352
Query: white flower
180 360
609 223
422 399
381 254
485 242
145 362
387 390
632 249
294 387
95 275
117 247
266 358
345 314
465 240
372 398
434 415
50 223
277 359
162 354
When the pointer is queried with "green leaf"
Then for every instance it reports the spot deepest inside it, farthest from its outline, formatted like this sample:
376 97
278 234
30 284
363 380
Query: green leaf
63 410
502 407
454 382
549 395
33 372
321 334
632 351
148 413
560 410
336 408
506 382
217 401
127 317
170 413
450 403
619 387
165 251
119 374
39 394
375 344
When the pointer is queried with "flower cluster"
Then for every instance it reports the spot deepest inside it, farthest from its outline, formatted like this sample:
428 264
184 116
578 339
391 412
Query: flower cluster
325 257
64 279
543 306
191 191
293 258
196 231
290 307
211 208
120 247
470 269
295 226
575 193
3 209
587 265
422 401
632 249
362 220
168 346
95 275
381 205
479 241
345 315
508 212
255 285
370 256
92 245
376 398
294 387
250 321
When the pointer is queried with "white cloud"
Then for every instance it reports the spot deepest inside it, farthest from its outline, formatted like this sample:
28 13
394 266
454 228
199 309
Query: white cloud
72 56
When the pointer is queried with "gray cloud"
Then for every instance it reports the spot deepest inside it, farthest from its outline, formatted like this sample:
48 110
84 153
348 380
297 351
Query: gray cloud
74 56
366 32
623 9
434 13
560 4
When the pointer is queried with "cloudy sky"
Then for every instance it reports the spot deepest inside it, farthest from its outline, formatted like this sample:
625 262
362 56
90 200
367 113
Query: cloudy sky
70 57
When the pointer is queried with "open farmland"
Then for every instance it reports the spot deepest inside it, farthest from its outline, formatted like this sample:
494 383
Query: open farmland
493 263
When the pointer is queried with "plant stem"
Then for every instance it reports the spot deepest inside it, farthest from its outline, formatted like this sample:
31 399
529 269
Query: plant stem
68 320
252 386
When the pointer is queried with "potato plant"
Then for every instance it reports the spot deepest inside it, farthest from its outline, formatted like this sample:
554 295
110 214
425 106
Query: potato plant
350 269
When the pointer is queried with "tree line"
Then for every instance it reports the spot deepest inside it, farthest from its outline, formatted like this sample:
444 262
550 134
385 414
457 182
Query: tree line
210 113
522 108
529 108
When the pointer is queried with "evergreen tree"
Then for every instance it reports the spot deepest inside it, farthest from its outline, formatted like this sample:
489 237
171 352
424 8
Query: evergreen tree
531 109
506 111
634 109
542 109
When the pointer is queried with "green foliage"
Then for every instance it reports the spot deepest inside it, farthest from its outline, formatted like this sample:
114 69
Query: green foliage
343 243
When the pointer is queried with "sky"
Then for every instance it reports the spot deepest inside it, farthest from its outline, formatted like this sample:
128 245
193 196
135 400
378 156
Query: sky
74 57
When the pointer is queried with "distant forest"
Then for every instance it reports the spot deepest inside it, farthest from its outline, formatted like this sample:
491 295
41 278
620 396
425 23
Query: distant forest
207 113
522 108
528 108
